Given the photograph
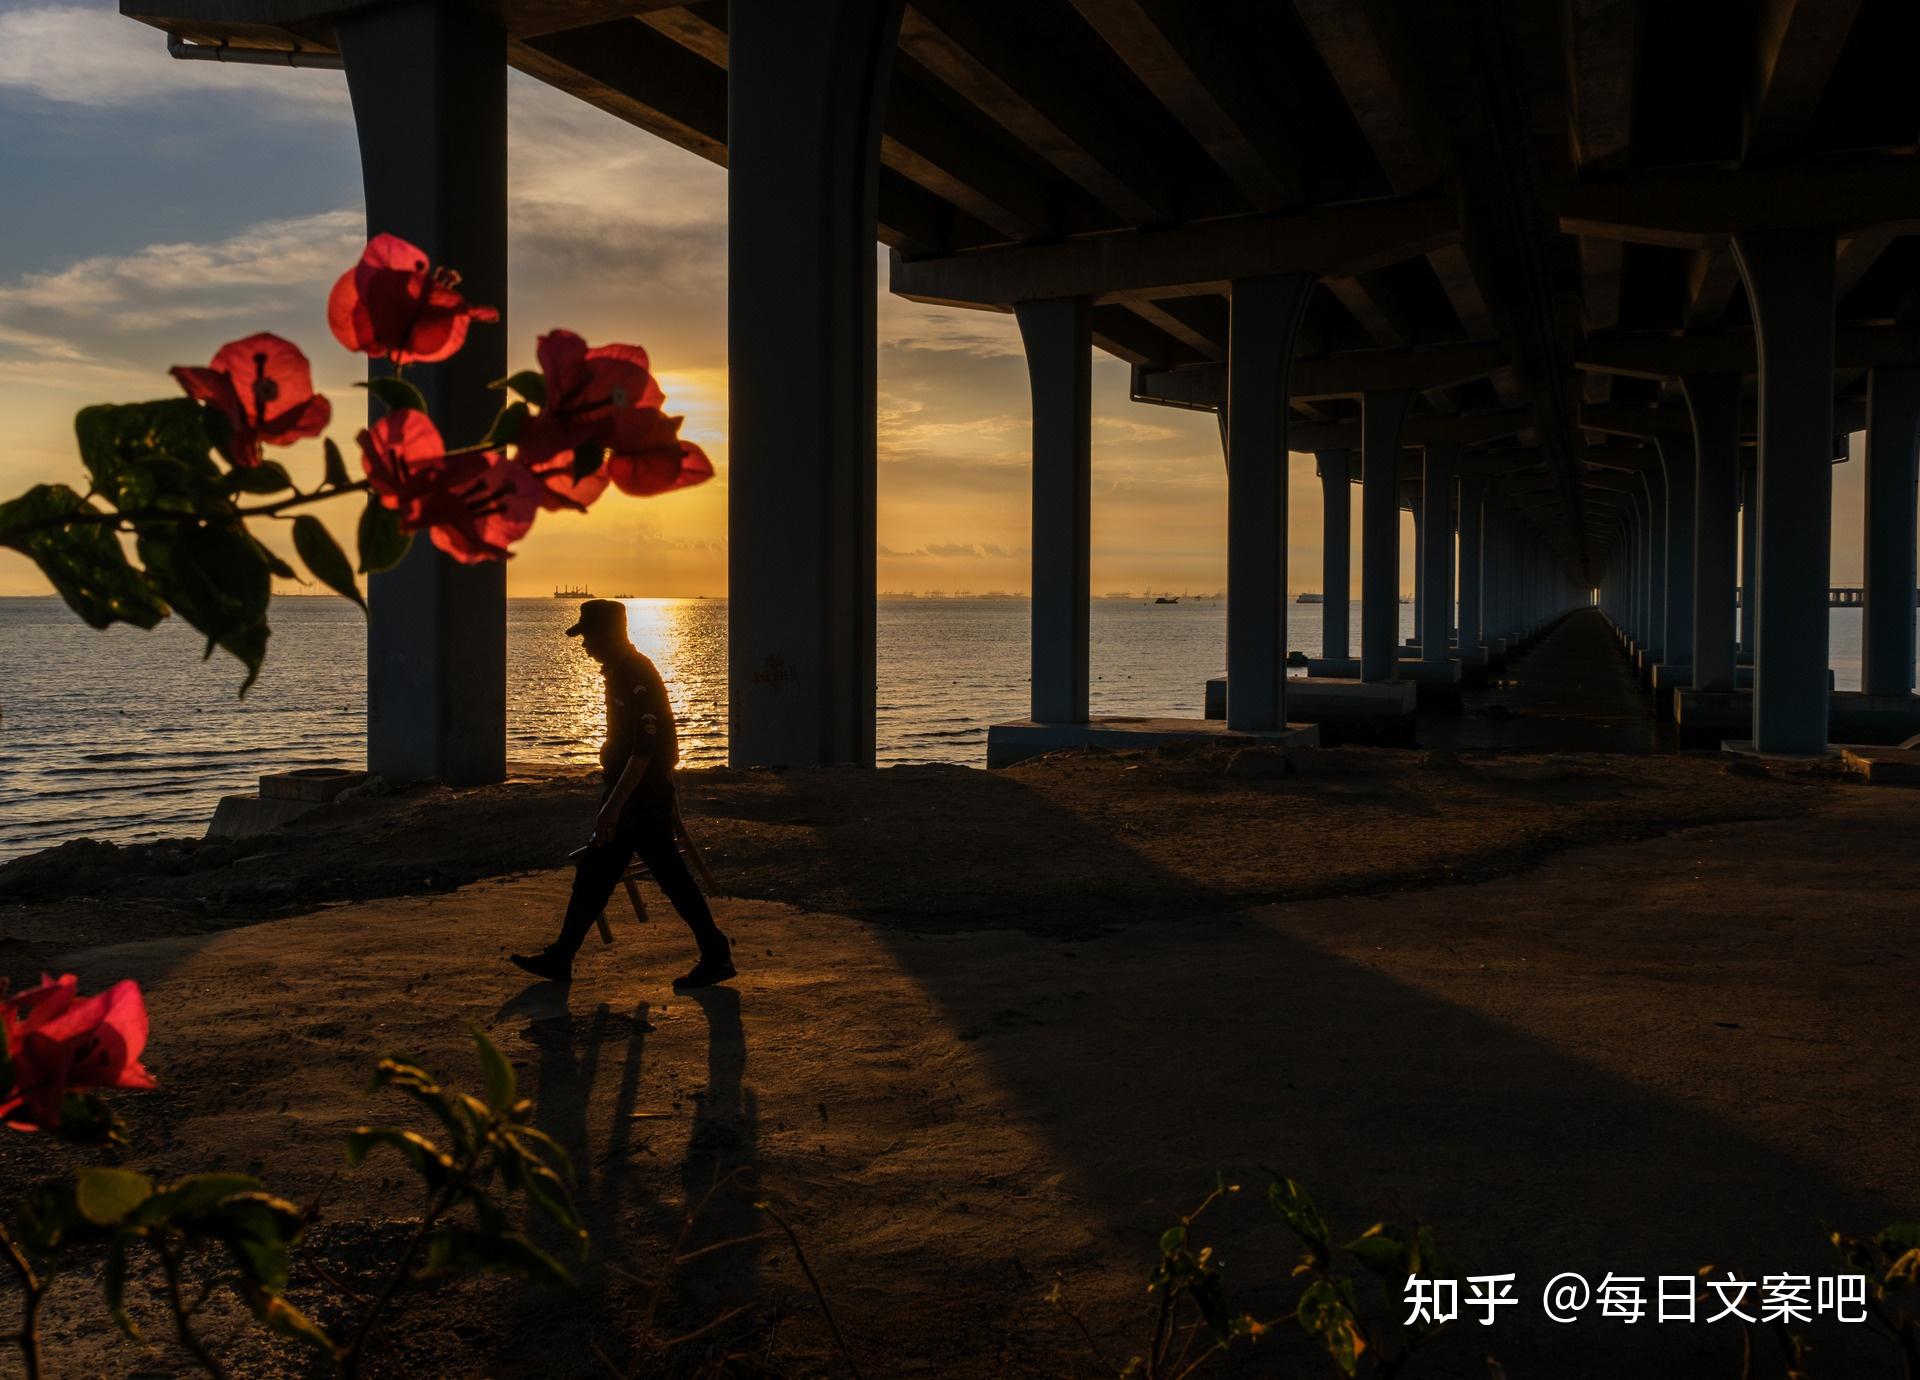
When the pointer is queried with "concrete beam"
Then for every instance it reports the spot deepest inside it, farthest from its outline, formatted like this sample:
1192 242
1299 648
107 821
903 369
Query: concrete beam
1849 415
1269 178
1699 208
1333 376
1203 257
1733 352
1796 44
1069 132
1472 428
1603 39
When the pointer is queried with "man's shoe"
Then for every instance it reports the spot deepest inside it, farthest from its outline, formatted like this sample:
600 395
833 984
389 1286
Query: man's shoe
544 965
705 973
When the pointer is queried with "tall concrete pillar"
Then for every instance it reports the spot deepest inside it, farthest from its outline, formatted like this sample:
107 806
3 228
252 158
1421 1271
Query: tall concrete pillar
1789 276
1473 500
1436 503
806 91
1059 345
1676 461
1410 496
1265 313
429 89
1656 639
1749 542
1893 432
1381 414
1336 557
1713 400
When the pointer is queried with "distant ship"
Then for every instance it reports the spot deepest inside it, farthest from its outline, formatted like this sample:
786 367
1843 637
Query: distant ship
569 592
1311 599
1167 599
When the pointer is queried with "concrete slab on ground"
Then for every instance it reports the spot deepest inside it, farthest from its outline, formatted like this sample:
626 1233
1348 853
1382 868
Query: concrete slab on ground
1346 711
1020 739
1883 766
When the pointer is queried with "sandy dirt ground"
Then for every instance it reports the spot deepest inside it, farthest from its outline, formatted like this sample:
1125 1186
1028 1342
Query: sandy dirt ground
1583 1011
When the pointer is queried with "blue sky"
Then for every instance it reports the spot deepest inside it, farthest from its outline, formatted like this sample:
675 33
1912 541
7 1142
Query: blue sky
156 209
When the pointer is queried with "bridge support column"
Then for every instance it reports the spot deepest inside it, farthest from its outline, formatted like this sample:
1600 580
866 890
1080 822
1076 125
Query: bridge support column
1893 432
1656 636
1713 401
1265 313
1473 500
429 89
1789 276
807 90
1677 463
1749 543
1381 414
1336 556
1410 496
1436 506
1059 346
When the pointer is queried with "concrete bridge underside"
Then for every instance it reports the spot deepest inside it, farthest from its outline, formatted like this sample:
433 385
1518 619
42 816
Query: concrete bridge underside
1601 286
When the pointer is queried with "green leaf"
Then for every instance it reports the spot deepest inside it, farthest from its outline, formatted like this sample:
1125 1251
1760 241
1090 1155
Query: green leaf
113 1285
86 1119
337 477
1296 1207
1173 1239
506 426
84 563
495 1071
382 543
396 393
1384 1249
544 1145
215 578
275 566
530 384
48 1218
151 454
283 1318
1326 1315
427 1159
193 1197
1898 1237
454 1247
267 477
416 1083
106 1196
258 1230
545 1190
324 557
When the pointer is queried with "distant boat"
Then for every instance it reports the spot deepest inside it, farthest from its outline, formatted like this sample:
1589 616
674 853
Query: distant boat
1167 599
1311 599
569 592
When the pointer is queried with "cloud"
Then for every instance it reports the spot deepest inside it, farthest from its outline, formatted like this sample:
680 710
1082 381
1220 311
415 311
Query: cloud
88 55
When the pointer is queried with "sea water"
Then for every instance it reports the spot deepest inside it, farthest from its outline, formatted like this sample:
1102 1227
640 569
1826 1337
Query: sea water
129 735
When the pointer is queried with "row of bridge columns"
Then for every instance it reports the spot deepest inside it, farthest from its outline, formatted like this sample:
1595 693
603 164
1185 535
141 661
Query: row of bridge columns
806 93
1670 585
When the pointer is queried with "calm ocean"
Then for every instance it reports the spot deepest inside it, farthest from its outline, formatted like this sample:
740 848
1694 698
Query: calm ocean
127 735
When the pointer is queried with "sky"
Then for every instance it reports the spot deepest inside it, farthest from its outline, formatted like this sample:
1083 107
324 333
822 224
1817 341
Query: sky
156 209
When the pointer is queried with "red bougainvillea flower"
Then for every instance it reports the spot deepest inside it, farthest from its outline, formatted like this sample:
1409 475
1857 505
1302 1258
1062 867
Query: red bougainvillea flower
647 456
484 508
395 305
263 386
401 454
473 506
590 393
59 1042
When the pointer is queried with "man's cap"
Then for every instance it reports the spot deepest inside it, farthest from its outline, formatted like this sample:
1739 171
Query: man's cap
598 614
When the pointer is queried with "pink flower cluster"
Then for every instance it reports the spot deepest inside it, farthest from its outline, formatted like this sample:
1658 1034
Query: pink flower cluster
600 424
58 1042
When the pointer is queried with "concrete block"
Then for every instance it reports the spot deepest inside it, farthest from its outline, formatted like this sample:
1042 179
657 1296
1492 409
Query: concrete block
240 816
314 785
1883 766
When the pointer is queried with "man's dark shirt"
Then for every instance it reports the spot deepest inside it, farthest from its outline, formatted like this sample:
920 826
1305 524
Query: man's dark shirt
639 720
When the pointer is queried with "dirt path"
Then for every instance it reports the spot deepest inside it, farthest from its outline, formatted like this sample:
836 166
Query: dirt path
1591 1065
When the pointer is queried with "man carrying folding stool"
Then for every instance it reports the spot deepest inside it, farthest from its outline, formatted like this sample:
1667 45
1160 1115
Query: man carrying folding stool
638 810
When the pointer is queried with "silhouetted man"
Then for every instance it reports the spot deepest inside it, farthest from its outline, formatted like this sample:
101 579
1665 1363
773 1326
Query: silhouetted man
636 806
